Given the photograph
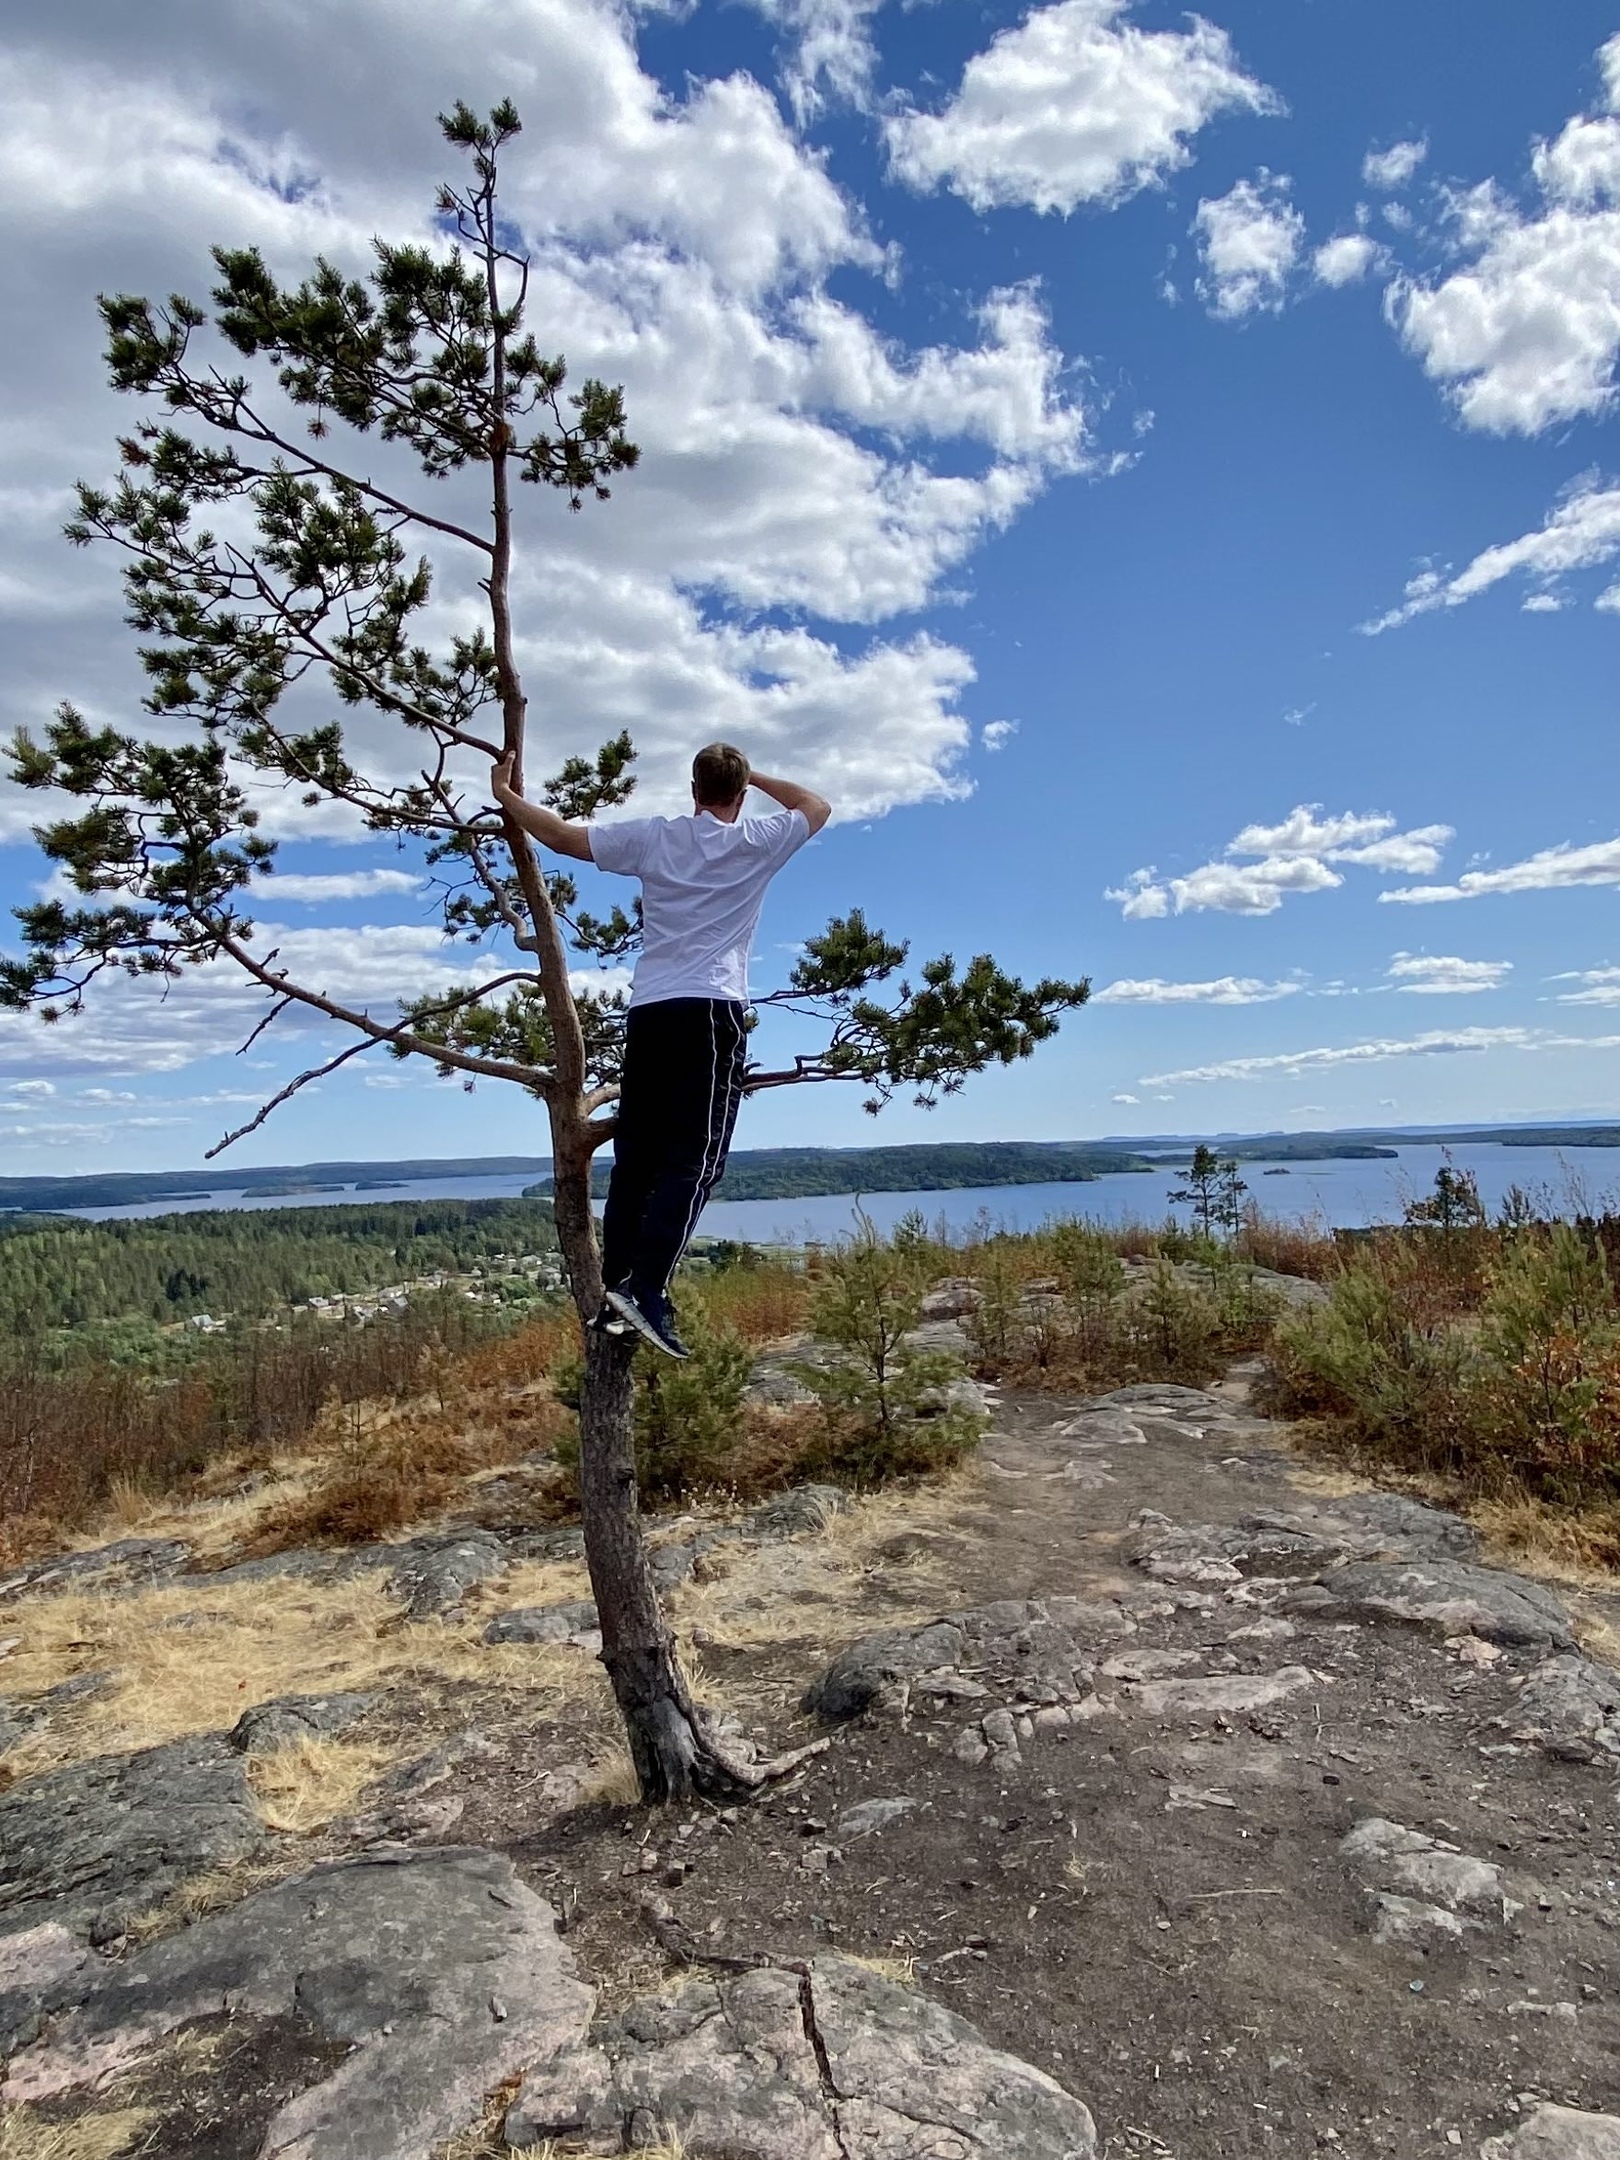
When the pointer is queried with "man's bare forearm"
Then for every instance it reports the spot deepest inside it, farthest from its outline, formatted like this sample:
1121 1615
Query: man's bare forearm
816 808
536 819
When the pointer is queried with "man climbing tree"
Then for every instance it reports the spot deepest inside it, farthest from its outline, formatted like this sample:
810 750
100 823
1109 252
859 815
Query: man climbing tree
703 881
306 581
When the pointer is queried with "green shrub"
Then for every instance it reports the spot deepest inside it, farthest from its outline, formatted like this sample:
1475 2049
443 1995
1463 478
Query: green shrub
890 1407
1382 1353
1545 1377
1090 1276
1168 1328
688 1417
998 1329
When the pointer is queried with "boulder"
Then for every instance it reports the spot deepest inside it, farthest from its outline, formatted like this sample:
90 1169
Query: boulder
1570 1707
1557 2133
958 1297
1452 1597
1388 1856
799 1513
1227 1694
858 1675
940 1336
130 1564
574 1621
433 1574
292 1718
815 2062
1039 1647
868 1816
439 1975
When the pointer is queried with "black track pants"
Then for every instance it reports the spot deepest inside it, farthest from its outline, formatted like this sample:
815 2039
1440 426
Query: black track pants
683 1075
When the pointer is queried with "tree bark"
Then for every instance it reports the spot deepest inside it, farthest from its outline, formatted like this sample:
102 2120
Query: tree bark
673 1744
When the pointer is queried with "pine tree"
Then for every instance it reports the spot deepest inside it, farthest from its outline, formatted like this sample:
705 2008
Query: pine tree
262 559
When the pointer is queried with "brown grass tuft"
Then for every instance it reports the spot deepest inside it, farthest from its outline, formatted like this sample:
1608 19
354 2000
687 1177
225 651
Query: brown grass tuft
299 1789
765 1304
390 1466
25 2135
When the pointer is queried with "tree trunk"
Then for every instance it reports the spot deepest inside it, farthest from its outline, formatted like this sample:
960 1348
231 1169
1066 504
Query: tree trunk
668 1745
673 1745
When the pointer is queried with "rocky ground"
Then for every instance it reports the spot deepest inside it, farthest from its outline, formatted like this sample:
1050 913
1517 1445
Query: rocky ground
1179 1800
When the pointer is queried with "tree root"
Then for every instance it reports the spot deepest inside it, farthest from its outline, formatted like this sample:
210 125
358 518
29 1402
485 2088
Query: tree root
750 1773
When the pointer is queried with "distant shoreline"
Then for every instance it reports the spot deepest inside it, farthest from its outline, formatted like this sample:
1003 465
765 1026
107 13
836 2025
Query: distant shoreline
799 1173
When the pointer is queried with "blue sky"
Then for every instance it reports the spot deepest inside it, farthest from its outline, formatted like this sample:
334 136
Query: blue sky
1151 471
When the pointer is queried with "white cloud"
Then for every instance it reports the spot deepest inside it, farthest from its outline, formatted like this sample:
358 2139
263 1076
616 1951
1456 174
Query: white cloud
1250 240
1543 603
1133 1099
1436 975
1390 170
1525 334
996 734
1551 870
1345 259
151 1026
1294 857
1305 831
1225 990
1076 105
316 886
1452 1042
1599 986
796 463
1580 533
1248 888
831 56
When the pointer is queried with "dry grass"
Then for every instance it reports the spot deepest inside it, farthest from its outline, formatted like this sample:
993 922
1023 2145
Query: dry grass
1599 1638
200 1897
25 2135
764 1304
830 1587
192 1659
299 1789
1577 1547
217 1526
611 1780
388 1466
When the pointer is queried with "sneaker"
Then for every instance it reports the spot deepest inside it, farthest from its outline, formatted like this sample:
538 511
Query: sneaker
607 1321
652 1320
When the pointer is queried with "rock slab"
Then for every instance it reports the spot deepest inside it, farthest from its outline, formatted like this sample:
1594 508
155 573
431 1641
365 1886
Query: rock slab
96 1843
1453 1597
442 1972
817 2062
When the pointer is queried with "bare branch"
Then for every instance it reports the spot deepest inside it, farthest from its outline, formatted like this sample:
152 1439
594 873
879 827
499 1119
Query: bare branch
316 1072
259 1027
401 1035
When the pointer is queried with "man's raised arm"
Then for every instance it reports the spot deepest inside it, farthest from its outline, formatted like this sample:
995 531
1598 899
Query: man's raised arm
547 827
816 808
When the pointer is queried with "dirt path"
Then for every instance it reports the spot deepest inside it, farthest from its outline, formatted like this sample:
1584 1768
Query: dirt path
1150 1897
1245 1803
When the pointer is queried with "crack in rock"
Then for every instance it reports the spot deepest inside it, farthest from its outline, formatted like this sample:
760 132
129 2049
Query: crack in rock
822 2060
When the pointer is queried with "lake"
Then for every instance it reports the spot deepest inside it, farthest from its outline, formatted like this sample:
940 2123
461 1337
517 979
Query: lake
1341 1195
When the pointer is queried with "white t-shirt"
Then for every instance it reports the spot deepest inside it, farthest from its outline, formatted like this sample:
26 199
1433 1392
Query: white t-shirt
702 887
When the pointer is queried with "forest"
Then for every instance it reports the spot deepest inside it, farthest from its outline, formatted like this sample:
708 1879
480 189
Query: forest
61 1272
